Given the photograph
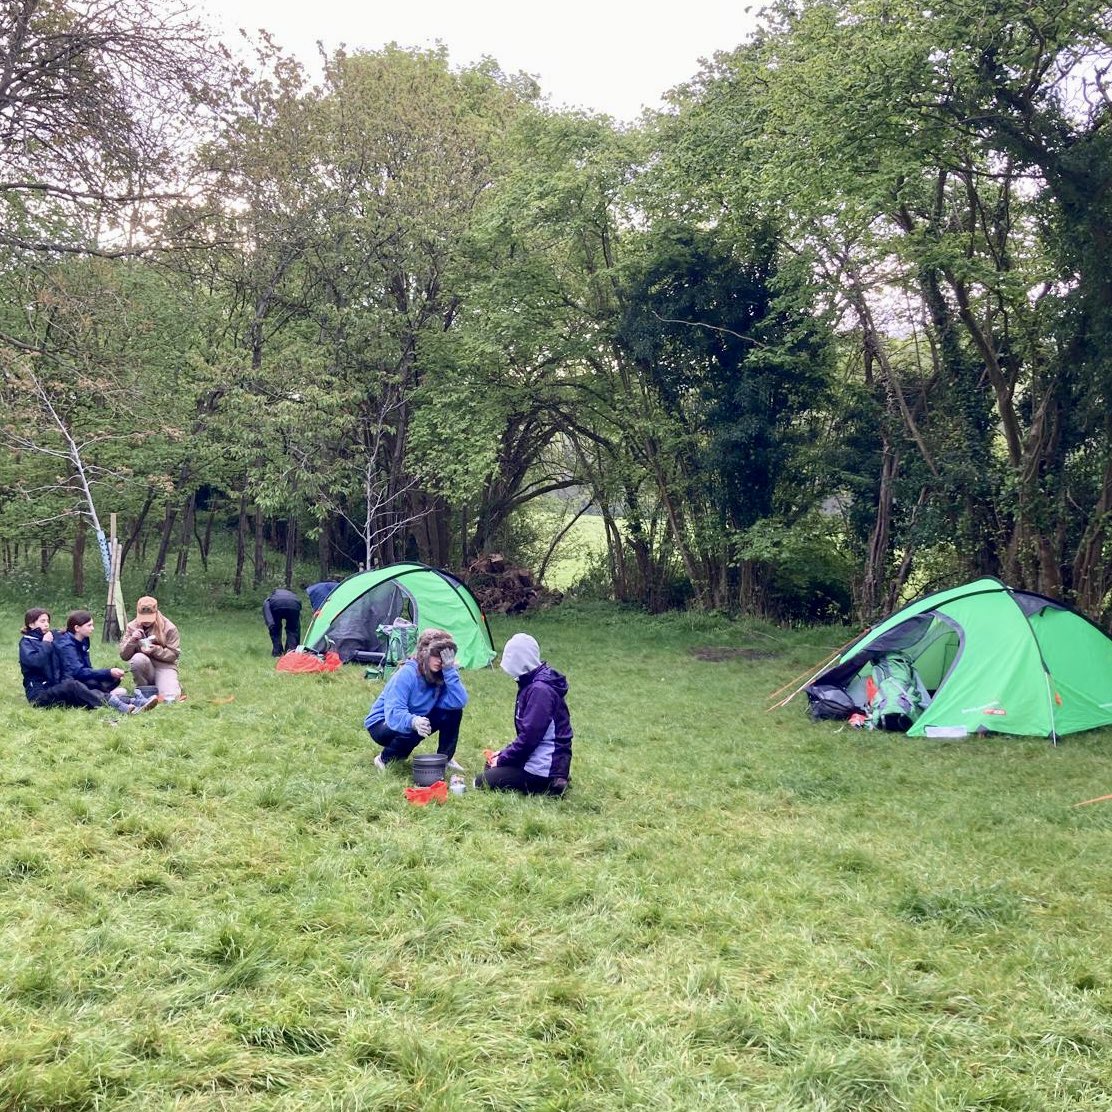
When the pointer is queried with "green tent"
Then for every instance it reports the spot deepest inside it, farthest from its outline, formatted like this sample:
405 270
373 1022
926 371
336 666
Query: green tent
1009 661
428 597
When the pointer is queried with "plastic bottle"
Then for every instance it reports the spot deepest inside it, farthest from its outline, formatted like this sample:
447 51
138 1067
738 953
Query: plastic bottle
457 785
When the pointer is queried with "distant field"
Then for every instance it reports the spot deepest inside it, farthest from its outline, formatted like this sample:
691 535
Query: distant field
585 539
223 905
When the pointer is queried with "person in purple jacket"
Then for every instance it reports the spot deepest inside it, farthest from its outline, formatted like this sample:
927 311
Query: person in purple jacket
538 760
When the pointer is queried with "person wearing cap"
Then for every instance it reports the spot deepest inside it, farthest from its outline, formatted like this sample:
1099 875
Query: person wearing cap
152 645
282 608
538 760
424 696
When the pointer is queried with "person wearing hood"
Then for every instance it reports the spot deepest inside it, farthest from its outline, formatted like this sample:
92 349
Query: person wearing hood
424 696
538 760
152 646
318 592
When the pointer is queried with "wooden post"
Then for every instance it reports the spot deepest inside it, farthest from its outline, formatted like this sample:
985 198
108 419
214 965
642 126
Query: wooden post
114 620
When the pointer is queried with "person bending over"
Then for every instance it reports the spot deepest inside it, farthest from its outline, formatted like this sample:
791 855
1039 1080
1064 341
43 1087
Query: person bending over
538 760
152 645
282 608
44 682
424 696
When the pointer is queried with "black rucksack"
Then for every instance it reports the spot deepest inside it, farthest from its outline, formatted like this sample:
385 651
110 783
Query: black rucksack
829 701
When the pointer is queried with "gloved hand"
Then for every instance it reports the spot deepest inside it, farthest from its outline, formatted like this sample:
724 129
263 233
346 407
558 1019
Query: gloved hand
421 725
447 657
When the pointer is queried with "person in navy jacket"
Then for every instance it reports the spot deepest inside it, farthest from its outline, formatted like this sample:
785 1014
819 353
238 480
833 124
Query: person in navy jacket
424 696
44 683
73 651
538 760
77 664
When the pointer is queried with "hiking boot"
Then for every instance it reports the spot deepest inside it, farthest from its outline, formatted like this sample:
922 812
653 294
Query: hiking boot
380 764
146 704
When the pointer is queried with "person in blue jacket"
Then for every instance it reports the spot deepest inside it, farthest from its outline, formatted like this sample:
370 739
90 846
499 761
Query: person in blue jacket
44 683
538 760
318 592
76 663
424 696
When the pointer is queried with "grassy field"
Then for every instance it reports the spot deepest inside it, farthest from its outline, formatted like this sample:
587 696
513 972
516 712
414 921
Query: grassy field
222 904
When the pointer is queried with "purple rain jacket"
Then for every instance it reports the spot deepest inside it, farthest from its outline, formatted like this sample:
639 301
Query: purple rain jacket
543 724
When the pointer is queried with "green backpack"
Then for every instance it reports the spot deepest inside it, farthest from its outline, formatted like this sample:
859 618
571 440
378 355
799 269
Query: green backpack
895 701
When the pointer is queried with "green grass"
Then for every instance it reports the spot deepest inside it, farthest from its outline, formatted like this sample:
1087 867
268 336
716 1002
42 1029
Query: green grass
223 904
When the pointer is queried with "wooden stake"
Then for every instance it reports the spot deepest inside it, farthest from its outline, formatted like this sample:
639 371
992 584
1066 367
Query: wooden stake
1099 799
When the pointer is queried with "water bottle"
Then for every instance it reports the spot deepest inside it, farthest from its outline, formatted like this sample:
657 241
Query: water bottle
457 785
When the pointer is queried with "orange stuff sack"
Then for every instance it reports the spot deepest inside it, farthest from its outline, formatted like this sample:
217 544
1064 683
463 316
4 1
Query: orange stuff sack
307 662
434 793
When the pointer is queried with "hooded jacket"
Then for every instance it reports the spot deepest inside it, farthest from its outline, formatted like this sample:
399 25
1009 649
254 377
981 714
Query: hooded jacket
39 663
73 655
543 724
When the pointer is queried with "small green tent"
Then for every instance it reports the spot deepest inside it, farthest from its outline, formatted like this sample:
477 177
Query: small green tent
1010 661
349 619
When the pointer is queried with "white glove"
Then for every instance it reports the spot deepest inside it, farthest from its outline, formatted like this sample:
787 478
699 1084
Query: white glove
447 657
421 725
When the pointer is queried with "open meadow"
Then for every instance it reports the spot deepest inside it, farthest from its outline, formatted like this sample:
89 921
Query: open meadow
223 904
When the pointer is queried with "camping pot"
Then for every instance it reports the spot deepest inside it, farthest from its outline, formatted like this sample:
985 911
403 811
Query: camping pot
428 768
146 690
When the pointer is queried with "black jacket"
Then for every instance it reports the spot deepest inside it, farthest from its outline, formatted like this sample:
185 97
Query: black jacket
39 663
280 601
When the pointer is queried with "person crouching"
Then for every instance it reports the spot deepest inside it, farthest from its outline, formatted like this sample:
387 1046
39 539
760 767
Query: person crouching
424 696
538 760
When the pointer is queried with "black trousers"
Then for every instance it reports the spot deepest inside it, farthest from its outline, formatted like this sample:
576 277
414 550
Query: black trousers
291 619
507 778
69 693
397 747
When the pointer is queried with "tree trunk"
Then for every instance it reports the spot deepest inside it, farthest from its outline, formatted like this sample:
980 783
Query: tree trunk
163 548
291 551
185 537
137 528
873 581
205 542
241 544
260 554
79 556
324 549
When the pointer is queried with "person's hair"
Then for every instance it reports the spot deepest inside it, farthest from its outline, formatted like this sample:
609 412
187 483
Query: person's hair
33 616
77 618
430 643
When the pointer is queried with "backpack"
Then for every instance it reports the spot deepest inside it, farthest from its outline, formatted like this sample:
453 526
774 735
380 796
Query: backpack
829 701
893 690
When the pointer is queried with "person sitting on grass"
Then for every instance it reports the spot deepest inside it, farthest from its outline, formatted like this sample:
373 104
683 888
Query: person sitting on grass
538 760
424 696
44 682
77 664
152 645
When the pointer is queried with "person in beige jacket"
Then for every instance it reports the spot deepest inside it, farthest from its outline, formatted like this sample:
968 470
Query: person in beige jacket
152 645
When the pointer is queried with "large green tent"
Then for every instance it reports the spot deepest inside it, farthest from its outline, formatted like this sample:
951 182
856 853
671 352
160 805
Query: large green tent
1009 661
428 597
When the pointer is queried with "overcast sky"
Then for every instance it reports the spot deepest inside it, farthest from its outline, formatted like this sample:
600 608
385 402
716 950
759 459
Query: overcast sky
613 56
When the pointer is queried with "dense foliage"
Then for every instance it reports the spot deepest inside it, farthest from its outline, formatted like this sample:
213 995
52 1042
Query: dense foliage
835 325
